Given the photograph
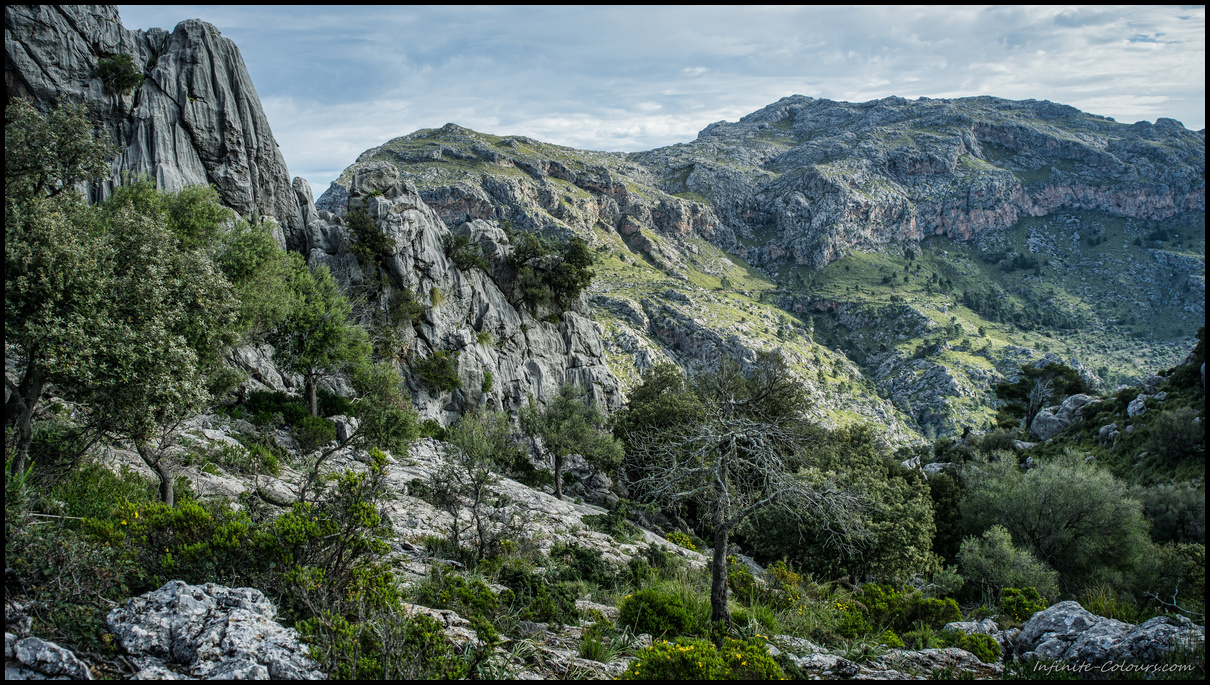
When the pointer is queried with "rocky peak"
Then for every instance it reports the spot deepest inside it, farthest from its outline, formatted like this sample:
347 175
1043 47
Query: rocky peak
194 119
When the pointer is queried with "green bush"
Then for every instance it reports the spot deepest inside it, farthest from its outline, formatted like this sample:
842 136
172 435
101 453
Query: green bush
1019 604
740 580
537 598
439 371
693 659
685 659
550 273
656 613
118 73
463 253
314 432
933 612
851 621
446 590
890 639
983 646
749 660
584 563
682 540
993 562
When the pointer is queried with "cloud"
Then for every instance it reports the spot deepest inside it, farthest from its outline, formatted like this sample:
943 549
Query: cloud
337 81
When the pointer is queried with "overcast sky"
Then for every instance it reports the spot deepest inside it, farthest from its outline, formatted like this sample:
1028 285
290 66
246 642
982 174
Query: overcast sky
337 81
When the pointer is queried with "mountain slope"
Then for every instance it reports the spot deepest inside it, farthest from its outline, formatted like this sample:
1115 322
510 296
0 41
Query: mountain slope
906 256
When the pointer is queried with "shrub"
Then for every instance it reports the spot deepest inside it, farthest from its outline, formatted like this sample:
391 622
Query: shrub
685 659
983 646
890 639
549 273
740 579
439 371
314 432
463 253
118 73
993 562
933 612
851 622
584 563
682 540
656 613
488 379
749 660
537 597
1020 604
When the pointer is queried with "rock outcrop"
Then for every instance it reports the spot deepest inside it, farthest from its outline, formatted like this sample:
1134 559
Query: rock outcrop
194 119
1069 632
503 353
210 632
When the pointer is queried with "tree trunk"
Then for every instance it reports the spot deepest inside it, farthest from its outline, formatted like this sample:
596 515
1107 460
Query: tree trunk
558 477
167 494
23 401
312 400
718 580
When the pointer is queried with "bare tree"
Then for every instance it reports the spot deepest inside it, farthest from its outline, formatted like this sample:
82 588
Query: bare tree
746 453
1039 394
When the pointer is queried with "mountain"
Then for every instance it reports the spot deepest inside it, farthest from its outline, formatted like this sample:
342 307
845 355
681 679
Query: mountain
904 255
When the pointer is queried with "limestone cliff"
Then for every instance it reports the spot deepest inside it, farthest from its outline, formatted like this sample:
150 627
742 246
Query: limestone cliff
194 119
502 353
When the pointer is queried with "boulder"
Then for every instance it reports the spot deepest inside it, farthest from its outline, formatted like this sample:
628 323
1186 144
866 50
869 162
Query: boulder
1137 406
213 632
1068 632
32 658
1046 425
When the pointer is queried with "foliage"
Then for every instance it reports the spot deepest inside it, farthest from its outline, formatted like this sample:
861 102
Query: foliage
463 485
386 418
317 337
656 613
685 659
584 563
1020 604
1037 386
314 432
118 73
550 273
982 646
572 424
993 562
946 495
681 540
438 371
897 519
890 639
749 660
1176 511
464 254
260 271
1074 517
745 454
537 598
1177 435
370 243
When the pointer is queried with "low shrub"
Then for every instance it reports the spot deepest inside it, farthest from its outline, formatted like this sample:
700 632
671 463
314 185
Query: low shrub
1020 604
682 540
685 659
983 646
694 659
537 597
314 432
740 580
584 563
890 639
439 371
656 613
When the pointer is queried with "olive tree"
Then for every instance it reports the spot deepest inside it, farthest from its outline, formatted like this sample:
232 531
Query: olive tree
317 338
571 424
1075 517
745 453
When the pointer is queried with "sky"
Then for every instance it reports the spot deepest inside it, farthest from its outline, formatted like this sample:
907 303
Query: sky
337 81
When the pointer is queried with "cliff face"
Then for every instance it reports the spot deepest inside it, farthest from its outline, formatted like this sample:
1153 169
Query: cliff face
502 353
194 119
808 180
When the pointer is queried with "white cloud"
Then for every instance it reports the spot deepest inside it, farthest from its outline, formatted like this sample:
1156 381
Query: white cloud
338 81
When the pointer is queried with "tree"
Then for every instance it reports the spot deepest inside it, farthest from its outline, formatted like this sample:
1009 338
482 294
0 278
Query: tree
169 316
745 454
54 260
465 480
317 337
1073 516
571 424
